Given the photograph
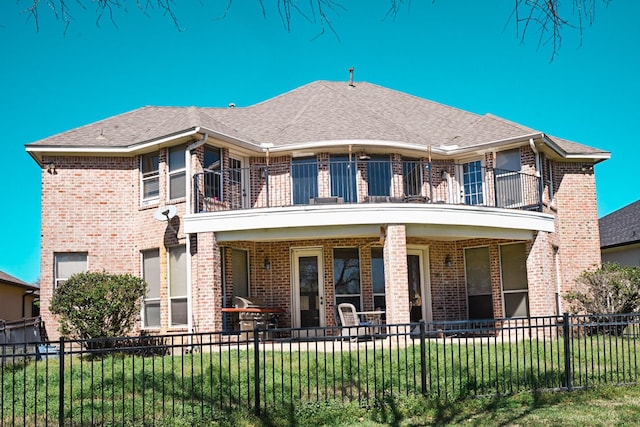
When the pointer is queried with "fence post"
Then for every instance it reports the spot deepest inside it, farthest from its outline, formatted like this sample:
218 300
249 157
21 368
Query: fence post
566 331
423 358
61 385
256 369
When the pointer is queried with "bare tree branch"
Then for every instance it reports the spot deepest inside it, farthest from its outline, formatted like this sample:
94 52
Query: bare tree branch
548 18
551 17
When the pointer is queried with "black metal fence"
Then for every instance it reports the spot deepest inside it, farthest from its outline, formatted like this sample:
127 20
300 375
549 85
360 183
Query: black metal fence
205 376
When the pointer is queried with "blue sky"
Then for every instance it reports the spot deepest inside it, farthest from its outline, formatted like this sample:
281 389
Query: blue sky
464 54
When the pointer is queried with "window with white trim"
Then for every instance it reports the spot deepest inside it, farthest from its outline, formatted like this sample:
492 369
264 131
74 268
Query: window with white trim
178 308
346 276
177 172
66 264
508 179
151 275
377 278
478 278
412 177
150 175
213 178
472 182
515 287
379 176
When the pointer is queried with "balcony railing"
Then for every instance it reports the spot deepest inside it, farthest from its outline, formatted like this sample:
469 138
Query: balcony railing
311 182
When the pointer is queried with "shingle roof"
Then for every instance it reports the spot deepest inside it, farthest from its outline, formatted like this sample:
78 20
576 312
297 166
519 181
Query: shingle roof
621 227
318 111
7 278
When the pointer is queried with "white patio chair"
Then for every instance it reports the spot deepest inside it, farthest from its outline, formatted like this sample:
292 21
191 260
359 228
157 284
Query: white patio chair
352 326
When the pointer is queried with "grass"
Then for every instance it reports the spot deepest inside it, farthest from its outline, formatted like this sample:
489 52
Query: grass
602 406
312 385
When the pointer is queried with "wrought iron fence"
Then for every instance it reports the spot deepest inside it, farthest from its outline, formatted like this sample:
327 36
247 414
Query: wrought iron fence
306 182
205 376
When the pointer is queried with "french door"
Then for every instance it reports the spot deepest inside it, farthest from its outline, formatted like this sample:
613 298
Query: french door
308 289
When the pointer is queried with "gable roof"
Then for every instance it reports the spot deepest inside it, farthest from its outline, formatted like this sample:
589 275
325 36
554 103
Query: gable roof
314 113
621 227
10 280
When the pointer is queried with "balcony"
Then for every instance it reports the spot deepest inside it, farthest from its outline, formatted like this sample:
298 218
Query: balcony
342 182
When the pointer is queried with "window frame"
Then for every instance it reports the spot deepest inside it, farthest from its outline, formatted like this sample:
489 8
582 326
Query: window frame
57 281
171 297
176 173
412 177
379 173
146 300
213 186
502 177
343 171
348 297
466 282
524 291
149 176
481 191
373 288
304 179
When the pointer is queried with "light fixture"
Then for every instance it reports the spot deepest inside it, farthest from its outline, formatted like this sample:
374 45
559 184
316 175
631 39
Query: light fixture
51 167
444 174
267 264
364 156
587 168
447 261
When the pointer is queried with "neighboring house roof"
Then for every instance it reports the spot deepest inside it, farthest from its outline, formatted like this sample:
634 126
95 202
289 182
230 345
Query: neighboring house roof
317 112
621 227
9 279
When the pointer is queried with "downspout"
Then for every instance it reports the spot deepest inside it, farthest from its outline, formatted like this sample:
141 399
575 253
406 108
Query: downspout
189 188
538 171
24 302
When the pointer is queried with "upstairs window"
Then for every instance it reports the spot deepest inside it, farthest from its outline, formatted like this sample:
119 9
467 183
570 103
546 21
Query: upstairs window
150 177
412 177
304 178
177 172
212 176
508 179
379 176
66 264
472 183
342 172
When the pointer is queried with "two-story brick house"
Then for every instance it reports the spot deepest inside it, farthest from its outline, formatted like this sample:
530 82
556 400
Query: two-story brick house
333 192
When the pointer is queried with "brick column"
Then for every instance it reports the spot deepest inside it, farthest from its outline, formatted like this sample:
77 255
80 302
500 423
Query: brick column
395 274
206 276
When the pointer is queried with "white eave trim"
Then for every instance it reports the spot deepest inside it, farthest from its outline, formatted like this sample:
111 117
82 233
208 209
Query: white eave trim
34 150
574 156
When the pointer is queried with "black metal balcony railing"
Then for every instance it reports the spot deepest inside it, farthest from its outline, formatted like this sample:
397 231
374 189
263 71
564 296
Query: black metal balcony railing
372 181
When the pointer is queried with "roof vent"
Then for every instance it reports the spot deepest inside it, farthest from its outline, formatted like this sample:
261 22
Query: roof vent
232 105
351 77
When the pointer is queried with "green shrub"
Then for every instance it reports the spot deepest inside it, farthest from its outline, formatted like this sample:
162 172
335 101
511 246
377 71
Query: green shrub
610 289
98 305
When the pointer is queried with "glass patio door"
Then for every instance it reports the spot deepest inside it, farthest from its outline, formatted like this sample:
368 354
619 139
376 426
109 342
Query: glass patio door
419 286
308 289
